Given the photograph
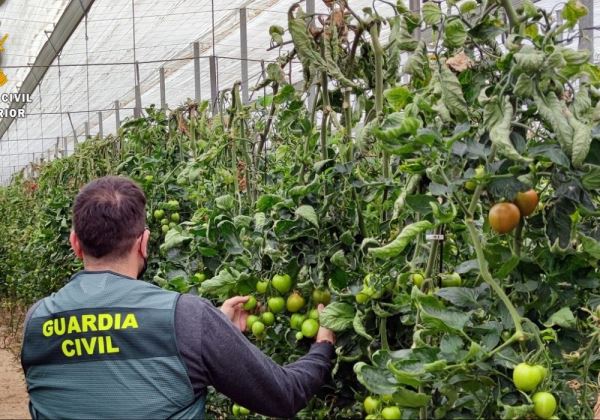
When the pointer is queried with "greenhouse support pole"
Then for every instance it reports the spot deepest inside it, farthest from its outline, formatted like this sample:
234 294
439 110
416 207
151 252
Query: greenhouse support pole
586 31
213 82
100 128
312 92
161 77
415 6
65 151
559 21
244 52
56 147
197 71
86 126
137 111
73 128
117 118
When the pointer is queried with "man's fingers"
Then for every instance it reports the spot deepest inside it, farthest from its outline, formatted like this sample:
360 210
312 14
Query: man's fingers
320 307
236 300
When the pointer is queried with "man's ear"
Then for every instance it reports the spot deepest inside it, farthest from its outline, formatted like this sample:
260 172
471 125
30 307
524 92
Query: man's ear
144 243
76 245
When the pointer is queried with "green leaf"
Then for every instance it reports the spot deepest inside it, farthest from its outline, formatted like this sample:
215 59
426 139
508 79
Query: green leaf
463 296
436 316
557 216
529 60
552 152
432 13
376 380
582 140
591 179
591 246
174 239
417 64
407 398
339 259
573 11
225 202
404 39
563 318
220 285
395 126
455 34
452 95
499 123
267 201
396 247
553 112
308 213
359 328
260 220
398 97
524 87
338 316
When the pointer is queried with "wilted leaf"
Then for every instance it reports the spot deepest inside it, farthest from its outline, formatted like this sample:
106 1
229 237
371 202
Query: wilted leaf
337 316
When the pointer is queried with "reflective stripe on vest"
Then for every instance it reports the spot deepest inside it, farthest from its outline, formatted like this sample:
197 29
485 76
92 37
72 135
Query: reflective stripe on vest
104 346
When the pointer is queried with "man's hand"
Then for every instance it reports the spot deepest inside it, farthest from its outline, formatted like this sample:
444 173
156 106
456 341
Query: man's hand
233 309
324 334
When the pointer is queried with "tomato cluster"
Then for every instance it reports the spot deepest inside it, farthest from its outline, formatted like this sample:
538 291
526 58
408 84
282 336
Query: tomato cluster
167 220
527 378
275 290
504 217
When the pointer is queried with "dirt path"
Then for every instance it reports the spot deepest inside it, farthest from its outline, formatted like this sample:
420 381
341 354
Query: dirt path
13 395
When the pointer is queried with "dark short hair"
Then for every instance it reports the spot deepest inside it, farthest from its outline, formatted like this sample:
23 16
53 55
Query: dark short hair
108 216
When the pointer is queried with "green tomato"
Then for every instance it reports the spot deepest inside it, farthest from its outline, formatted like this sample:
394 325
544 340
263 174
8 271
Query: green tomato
159 214
250 303
544 404
149 179
172 205
172 225
321 296
451 280
371 405
268 318
262 286
295 302
175 217
165 228
235 410
296 321
258 328
276 304
164 222
526 377
310 327
470 185
361 297
200 277
282 283
417 279
299 336
250 321
314 314
387 398
480 172
244 411
391 413
543 371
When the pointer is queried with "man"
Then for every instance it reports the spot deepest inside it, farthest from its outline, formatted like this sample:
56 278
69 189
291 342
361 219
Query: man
109 346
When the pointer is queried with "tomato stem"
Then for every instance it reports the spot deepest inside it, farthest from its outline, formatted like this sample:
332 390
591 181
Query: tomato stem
487 277
383 334
513 17
517 240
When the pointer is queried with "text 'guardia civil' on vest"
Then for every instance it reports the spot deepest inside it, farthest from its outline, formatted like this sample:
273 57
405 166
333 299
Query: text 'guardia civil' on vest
84 323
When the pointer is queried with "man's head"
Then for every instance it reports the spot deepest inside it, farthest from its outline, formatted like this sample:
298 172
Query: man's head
109 222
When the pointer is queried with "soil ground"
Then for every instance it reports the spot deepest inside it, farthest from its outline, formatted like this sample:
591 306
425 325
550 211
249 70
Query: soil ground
13 397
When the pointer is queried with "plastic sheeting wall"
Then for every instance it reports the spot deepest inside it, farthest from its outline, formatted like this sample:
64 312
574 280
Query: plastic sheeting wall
95 68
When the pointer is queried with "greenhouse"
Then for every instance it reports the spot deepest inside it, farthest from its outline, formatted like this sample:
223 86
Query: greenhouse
382 209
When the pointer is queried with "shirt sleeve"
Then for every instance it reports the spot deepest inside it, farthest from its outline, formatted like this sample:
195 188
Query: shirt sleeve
216 353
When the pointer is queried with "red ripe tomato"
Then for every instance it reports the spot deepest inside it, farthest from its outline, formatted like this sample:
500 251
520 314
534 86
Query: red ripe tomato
504 217
527 202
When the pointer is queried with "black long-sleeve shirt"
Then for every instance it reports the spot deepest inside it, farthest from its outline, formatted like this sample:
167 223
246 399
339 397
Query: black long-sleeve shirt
217 353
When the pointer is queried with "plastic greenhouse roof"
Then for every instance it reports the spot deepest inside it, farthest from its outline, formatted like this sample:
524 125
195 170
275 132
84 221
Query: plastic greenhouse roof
164 33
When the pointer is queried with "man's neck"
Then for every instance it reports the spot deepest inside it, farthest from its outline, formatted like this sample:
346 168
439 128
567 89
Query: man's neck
118 267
